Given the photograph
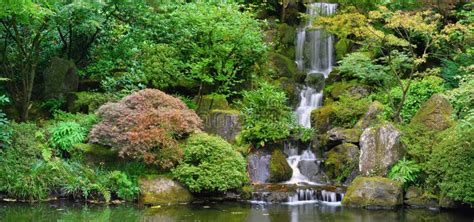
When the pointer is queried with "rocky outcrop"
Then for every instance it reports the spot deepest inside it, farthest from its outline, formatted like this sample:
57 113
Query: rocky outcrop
258 167
373 192
371 118
60 78
414 198
207 103
224 123
353 89
338 136
161 190
435 113
380 148
322 118
342 161
280 170
313 171
315 80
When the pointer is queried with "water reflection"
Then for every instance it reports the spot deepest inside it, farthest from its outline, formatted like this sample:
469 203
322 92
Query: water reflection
227 212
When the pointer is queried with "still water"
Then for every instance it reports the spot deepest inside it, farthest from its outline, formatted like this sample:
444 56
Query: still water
227 212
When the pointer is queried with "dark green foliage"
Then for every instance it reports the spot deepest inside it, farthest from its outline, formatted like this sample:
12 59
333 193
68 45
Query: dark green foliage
454 70
279 169
420 91
451 167
210 164
265 115
418 141
65 134
462 98
349 110
5 132
405 171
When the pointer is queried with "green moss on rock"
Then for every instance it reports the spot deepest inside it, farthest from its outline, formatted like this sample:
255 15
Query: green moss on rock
162 190
341 161
210 102
435 114
322 118
279 169
373 192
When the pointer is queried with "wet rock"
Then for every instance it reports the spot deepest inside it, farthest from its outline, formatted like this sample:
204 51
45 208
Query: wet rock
434 114
380 148
338 136
280 170
312 170
371 118
60 78
315 80
373 192
259 167
342 161
156 190
224 123
416 199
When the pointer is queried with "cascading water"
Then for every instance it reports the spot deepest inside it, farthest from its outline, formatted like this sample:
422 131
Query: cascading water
314 56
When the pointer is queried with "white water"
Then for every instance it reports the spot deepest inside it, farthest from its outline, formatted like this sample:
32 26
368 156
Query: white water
314 56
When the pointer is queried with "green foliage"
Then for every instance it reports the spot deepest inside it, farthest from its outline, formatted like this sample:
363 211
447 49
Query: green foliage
454 70
210 164
419 91
451 167
5 132
405 171
66 134
125 188
53 104
84 120
349 110
361 66
462 98
265 115
418 141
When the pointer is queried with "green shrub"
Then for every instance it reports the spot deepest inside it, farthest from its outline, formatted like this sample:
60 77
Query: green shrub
5 131
84 120
420 91
405 171
451 167
349 110
123 185
65 134
210 164
265 115
418 141
454 70
462 98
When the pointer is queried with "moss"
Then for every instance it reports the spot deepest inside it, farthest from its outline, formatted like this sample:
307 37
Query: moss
435 113
279 169
211 102
246 192
341 161
322 118
88 102
226 111
373 192
158 189
337 89
284 66
342 47
95 153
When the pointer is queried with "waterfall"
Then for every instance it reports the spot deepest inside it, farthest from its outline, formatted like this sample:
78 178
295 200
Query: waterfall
315 57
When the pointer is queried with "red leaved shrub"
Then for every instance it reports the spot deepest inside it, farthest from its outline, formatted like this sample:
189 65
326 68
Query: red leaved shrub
146 125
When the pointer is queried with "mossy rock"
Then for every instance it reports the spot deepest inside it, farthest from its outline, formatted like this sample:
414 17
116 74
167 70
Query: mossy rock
210 102
155 190
95 153
435 113
338 135
284 66
342 47
353 89
224 123
415 198
373 192
280 170
322 118
88 102
371 117
60 78
341 161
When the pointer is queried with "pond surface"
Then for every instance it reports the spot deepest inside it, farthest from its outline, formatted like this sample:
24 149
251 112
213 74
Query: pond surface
227 212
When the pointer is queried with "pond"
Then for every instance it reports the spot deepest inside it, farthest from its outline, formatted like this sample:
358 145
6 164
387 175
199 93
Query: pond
220 211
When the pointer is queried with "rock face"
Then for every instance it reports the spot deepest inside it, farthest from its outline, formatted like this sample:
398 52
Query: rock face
315 80
280 170
224 123
380 148
342 161
60 78
371 116
416 199
258 167
206 103
313 171
435 113
337 136
162 190
373 192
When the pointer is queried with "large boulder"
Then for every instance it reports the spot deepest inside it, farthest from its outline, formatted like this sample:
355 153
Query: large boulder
322 118
258 167
373 192
371 117
313 171
60 78
156 190
353 89
380 149
280 170
342 161
435 113
315 80
338 136
224 123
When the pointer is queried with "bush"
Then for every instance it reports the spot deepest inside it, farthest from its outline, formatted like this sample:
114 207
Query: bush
420 91
210 164
5 132
462 98
405 171
65 134
265 115
349 110
451 167
146 125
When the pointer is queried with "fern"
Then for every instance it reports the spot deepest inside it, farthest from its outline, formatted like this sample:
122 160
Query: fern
66 134
406 172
